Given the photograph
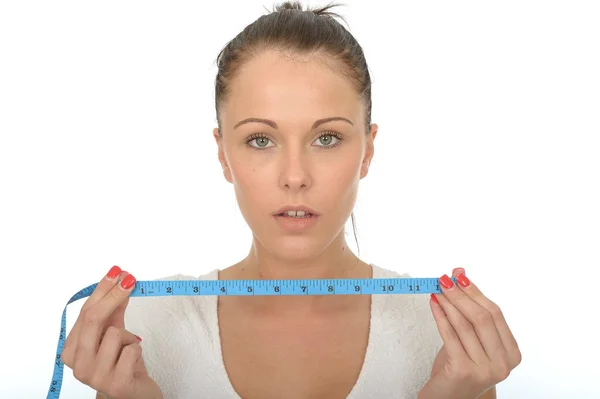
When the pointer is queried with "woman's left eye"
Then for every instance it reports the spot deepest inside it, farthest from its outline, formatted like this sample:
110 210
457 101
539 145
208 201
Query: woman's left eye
327 139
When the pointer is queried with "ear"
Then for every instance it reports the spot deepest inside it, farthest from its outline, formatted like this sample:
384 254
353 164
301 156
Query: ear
370 150
221 155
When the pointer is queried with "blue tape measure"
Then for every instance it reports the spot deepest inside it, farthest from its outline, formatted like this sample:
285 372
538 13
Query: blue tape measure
369 286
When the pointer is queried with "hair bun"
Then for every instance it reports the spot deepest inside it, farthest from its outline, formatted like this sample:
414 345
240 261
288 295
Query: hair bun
297 5
289 5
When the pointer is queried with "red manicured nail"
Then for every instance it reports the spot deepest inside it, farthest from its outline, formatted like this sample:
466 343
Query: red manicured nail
138 338
463 280
434 299
113 272
446 282
128 282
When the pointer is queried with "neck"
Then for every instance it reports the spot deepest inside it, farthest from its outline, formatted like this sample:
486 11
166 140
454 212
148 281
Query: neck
337 261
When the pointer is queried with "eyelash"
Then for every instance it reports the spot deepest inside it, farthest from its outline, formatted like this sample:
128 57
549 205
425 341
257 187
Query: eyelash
255 136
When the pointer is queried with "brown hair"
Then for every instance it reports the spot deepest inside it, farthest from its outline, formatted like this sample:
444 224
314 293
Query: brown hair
291 29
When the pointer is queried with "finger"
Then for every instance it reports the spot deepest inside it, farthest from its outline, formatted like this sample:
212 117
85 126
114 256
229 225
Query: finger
93 321
99 293
452 344
117 318
464 328
116 297
457 271
130 355
104 286
113 341
108 282
478 317
506 336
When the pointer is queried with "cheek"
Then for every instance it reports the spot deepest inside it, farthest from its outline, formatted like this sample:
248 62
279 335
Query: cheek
348 188
251 183
338 182
344 168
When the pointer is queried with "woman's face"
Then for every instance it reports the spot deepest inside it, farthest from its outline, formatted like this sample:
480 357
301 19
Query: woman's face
286 162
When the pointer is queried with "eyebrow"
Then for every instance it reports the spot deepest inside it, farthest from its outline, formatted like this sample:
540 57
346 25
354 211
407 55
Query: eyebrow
274 125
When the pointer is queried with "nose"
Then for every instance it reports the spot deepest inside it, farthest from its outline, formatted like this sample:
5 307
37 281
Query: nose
295 172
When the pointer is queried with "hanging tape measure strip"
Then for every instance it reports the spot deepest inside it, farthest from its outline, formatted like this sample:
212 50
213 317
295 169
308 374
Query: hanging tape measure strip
368 286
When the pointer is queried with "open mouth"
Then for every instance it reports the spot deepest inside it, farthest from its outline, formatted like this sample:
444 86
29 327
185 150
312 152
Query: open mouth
296 214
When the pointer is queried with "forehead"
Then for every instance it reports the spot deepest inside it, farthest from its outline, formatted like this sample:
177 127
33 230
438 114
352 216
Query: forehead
290 88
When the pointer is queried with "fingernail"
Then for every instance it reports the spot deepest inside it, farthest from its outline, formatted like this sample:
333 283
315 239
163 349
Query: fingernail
113 273
434 299
138 338
463 280
128 282
446 282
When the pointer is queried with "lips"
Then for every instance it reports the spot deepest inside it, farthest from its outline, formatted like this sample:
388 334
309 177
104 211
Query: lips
295 211
296 219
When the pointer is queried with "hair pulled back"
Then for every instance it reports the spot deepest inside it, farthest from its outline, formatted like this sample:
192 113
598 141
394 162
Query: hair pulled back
293 30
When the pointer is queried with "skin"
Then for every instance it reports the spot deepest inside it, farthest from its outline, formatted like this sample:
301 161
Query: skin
296 347
101 352
296 168
293 167
451 364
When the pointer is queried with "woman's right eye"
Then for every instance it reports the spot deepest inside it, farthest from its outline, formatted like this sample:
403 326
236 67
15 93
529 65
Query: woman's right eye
259 142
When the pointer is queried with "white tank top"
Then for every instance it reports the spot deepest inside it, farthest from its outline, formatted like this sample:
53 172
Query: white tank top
182 348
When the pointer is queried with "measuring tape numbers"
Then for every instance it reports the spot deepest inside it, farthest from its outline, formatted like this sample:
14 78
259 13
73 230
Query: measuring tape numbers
367 286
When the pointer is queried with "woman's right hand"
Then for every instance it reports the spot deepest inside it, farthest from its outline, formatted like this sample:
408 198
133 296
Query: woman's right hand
101 352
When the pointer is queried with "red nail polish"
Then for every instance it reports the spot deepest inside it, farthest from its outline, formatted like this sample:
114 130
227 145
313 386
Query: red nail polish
463 280
138 338
113 272
128 282
434 299
446 282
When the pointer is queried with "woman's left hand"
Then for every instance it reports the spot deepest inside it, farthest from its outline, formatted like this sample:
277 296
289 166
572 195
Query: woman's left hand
479 349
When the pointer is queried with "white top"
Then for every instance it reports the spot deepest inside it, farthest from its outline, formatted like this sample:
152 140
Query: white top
182 347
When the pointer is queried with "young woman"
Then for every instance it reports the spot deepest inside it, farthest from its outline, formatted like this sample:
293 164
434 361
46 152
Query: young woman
294 136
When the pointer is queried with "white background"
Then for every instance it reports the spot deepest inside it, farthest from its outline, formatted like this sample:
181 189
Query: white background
488 157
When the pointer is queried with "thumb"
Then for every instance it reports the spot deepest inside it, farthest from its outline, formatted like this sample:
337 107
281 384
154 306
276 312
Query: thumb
117 319
457 271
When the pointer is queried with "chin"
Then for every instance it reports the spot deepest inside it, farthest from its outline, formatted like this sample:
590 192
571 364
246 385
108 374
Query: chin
295 248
